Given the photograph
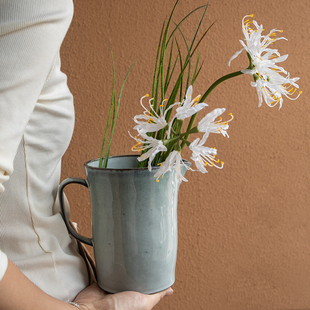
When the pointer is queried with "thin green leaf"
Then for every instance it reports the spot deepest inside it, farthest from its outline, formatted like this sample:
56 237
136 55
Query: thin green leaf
173 94
186 63
106 158
188 75
156 78
177 85
181 66
197 73
189 65
189 55
169 77
168 67
178 25
195 70
160 71
180 78
201 39
201 19
161 133
156 62
163 52
160 74
110 112
171 35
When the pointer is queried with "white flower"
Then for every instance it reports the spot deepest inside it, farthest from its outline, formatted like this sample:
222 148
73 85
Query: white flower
152 122
269 80
272 86
256 45
174 158
188 108
208 123
202 155
153 146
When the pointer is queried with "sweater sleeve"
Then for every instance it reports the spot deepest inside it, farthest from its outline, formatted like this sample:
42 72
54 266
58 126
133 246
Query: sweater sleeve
3 264
30 39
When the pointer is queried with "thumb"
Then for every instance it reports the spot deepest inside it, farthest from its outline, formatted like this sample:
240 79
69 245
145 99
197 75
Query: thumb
155 298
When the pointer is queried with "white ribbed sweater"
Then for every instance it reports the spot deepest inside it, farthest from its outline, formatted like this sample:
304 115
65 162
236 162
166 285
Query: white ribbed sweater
36 124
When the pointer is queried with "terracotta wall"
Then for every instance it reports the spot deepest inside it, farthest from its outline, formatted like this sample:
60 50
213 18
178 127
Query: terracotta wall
244 233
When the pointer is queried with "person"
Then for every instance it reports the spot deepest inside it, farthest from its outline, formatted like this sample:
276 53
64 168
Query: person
40 264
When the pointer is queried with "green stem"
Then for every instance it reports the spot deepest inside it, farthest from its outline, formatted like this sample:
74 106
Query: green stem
205 95
177 146
180 136
219 81
185 141
171 140
169 149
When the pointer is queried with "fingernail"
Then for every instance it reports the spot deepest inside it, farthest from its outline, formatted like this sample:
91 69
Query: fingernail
169 291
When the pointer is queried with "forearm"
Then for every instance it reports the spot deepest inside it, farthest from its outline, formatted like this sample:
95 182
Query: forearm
18 292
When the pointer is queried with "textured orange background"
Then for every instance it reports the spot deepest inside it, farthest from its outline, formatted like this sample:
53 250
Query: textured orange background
244 233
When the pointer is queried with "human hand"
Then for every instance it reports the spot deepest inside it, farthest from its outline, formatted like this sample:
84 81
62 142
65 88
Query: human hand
93 298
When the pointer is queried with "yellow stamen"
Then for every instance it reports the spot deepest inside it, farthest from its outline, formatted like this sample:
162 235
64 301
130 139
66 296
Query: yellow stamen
135 147
198 98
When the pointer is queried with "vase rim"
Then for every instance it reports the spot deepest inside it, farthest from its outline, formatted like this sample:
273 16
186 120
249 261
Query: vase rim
87 164
114 169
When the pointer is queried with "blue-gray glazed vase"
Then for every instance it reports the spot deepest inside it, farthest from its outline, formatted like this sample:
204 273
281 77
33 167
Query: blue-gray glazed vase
134 225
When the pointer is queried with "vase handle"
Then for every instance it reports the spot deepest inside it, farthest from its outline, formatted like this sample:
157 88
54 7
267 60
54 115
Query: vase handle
63 184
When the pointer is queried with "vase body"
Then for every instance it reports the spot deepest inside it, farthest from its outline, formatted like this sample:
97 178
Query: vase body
134 225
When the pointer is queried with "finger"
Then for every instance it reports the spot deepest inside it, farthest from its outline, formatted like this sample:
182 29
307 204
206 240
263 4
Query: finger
169 291
155 298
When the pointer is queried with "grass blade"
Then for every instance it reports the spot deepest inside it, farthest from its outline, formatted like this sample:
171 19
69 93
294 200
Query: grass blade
168 68
110 112
106 158
156 62
169 77
179 24
201 39
194 77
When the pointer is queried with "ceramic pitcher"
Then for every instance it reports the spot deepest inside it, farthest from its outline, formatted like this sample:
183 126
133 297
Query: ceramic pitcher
134 225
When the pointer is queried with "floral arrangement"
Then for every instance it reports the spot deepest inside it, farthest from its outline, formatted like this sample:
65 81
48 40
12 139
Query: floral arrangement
160 135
